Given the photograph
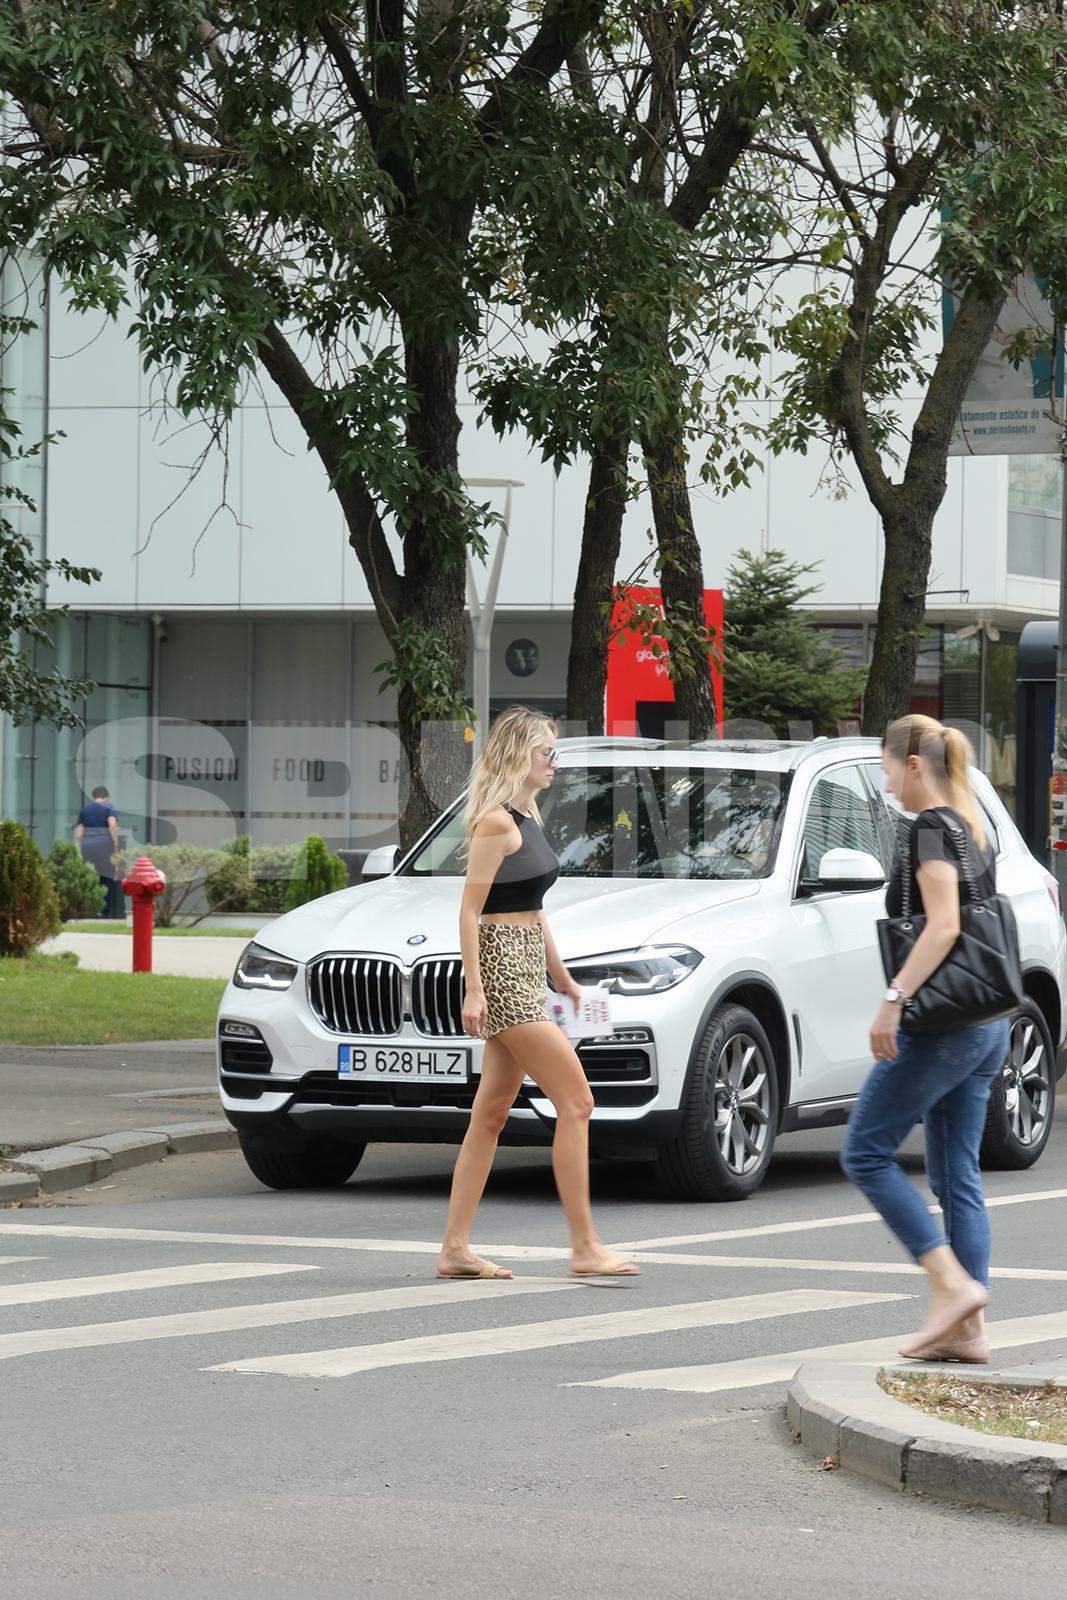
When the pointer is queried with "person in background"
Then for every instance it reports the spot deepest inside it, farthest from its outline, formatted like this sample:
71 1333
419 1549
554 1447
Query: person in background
97 833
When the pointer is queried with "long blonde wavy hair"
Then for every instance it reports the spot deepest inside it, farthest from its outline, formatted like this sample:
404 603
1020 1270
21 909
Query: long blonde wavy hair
948 754
504 764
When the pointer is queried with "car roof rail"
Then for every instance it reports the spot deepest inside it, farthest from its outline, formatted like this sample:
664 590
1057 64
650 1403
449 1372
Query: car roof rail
605 741
741 743
824 742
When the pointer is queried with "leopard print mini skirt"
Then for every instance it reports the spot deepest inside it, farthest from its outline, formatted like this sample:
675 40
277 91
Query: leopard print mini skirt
511 956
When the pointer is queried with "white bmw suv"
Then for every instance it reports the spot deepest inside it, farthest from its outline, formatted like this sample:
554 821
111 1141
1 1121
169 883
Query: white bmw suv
726 893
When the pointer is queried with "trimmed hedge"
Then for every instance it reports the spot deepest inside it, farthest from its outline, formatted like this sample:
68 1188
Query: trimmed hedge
77 884
317 871
29 906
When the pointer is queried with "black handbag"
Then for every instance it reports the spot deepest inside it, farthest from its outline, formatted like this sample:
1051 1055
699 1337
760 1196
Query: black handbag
981 977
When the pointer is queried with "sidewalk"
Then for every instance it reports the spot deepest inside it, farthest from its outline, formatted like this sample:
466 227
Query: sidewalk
58 1094
113 952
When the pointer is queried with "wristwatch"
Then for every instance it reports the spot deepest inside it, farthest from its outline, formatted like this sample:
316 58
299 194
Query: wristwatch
897 997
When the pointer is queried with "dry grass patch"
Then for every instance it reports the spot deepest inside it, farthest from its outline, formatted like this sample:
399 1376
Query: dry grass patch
1037 1412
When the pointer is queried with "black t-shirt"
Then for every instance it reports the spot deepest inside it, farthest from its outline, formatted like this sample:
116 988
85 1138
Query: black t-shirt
929 839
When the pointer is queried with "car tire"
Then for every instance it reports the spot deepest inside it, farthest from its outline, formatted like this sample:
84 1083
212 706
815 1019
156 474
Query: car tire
712 1157
324 1164
1023 1097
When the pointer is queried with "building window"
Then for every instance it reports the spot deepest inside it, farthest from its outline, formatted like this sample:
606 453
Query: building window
49 772
1034 499
930 664
962 694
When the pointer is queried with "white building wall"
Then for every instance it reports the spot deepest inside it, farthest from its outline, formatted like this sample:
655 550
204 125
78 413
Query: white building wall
279 542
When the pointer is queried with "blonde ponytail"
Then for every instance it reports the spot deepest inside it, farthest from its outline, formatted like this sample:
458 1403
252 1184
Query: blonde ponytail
949 755
959 755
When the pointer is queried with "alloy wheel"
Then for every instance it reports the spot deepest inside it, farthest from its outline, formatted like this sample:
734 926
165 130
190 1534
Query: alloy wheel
1026 1081
742 1103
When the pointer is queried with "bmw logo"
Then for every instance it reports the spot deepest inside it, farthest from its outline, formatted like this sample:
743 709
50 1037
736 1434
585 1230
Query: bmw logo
417 938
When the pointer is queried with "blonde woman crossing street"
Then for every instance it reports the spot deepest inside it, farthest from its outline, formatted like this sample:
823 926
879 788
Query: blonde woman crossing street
508 954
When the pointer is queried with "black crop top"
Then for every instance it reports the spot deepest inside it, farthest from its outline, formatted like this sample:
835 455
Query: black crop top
929 839
525 877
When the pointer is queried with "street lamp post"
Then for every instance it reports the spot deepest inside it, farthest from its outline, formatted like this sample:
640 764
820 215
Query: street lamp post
482 610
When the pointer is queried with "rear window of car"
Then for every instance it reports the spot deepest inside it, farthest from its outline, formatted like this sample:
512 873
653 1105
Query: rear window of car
644 822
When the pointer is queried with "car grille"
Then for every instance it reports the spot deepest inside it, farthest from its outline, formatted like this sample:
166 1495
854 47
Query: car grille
365 995
437 998
356 994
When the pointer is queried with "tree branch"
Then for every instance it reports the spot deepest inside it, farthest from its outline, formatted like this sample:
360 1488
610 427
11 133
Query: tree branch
366 534
978 309
563 27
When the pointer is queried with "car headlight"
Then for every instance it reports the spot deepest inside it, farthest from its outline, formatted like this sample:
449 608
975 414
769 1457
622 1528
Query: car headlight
645 971
262 969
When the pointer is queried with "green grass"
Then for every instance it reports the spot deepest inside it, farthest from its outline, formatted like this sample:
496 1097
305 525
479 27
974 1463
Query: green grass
50 1000
109 926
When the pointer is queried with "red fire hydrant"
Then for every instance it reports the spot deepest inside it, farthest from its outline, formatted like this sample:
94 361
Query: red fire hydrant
143 882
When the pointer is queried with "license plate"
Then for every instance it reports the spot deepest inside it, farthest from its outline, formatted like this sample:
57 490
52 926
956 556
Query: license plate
409 1063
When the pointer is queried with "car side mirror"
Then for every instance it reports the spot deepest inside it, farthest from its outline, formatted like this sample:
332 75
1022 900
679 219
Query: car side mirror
378 863
841 869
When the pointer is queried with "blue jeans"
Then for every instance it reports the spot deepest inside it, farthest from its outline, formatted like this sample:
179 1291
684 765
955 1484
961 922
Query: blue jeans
943 1081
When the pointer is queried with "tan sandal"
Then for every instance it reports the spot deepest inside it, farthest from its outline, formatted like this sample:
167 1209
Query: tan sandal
612 1267
488 1269
973 1297
969 1351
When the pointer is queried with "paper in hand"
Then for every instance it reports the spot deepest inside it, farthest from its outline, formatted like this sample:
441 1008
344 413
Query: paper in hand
590 1018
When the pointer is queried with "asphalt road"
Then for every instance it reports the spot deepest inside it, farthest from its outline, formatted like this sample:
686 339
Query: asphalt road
58 1094
478 1440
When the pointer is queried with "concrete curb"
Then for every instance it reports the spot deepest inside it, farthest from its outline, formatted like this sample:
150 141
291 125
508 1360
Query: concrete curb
840 1412
71 1166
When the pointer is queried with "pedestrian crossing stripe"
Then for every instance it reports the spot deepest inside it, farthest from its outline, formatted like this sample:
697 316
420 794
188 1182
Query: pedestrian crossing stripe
749 1373
28 1294
545 1335
6 1261
232 1319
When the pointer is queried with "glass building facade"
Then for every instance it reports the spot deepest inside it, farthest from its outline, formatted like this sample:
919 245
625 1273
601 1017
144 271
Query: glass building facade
48 773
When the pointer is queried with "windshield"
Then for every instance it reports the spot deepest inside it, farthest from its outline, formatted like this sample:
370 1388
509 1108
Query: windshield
643 822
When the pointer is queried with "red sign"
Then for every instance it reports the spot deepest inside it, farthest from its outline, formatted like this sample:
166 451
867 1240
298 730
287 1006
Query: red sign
640 693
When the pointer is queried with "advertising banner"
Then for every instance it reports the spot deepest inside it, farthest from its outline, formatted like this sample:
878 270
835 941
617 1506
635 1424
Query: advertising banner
1014 399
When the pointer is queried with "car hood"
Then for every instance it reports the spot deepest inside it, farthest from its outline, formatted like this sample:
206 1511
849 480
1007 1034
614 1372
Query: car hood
588 915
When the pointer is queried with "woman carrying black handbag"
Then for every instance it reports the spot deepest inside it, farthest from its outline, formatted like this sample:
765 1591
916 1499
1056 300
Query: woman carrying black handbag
940 1034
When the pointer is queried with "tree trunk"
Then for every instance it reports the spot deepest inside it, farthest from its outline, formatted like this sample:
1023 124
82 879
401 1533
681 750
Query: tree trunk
681 578
908 530
908 509
432 637
587 665
436 760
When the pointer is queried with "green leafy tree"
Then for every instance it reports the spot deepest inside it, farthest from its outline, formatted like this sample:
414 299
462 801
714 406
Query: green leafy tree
316 871
312 191
778 669
76 882
666 345
954 119
29 909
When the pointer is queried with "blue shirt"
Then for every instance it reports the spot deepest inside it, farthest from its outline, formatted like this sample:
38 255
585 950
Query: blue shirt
97 846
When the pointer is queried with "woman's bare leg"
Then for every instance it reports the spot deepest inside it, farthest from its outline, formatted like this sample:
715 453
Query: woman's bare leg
495 1096
551 1062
